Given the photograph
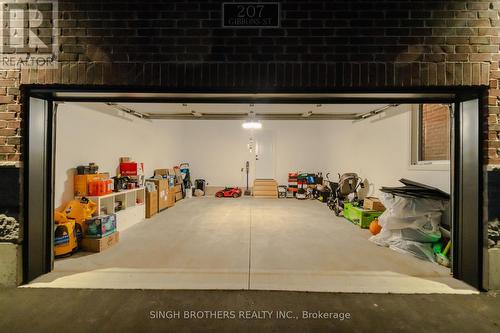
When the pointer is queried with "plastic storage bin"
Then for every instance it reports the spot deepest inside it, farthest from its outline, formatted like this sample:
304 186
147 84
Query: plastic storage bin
358 215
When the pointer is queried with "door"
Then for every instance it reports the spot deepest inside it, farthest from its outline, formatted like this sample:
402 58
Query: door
264 155
38 233
467 196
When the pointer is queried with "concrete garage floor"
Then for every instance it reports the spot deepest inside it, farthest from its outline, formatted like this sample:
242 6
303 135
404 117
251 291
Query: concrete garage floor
247 243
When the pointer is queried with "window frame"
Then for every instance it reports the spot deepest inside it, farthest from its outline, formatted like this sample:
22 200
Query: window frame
416 163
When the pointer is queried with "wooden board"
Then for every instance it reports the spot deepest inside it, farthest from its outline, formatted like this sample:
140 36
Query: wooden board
265 183
259 187
257 193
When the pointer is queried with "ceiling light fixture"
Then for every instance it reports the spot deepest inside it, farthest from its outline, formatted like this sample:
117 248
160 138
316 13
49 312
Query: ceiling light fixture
251 125
307 114
196 114
251 122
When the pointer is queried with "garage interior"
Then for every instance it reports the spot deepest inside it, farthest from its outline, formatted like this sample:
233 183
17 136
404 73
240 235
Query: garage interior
249 242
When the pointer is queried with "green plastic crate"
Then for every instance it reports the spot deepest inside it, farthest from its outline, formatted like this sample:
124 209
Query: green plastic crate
360 216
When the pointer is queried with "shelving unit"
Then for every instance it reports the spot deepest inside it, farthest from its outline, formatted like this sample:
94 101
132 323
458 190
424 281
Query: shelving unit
131 212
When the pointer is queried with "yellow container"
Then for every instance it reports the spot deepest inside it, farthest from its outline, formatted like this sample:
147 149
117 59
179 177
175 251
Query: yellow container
65 238
80 210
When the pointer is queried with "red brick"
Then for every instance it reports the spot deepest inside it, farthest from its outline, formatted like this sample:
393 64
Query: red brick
14 107
14 157
493 135
14 124
494 109
7 149
480 57
495 74
6 99
493 161
7 82
7 132
7 115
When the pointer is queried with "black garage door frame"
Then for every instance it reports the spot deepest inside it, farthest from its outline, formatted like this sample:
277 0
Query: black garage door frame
466 167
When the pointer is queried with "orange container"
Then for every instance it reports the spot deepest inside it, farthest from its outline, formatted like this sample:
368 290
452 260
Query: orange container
81 183
100 187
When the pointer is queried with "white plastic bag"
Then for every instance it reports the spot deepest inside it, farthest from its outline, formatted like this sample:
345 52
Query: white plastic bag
405 207
417 218
410 225
420 250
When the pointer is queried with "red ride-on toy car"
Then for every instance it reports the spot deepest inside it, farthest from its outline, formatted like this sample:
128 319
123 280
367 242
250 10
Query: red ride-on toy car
229 192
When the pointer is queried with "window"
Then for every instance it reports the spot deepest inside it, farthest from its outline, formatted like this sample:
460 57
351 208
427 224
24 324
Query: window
431 132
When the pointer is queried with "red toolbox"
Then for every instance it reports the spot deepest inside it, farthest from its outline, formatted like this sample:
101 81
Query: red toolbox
128 169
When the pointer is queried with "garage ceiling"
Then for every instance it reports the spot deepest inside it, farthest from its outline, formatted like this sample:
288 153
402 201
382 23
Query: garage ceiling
226 108
220 111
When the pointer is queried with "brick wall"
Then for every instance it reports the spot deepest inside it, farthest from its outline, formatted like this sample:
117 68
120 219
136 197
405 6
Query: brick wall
435 139
325 44
10 118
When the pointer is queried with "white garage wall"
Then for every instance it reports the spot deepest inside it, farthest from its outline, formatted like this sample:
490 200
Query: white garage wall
378 148
84 135
217 150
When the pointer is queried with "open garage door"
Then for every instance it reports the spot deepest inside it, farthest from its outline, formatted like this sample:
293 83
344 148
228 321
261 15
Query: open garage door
467 189
466 164
38 188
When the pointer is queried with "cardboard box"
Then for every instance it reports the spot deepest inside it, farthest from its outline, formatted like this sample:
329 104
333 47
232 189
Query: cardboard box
100 244
177 188
151 204
178 196
178 175
162 186
170 199
161 172
125 159
373 203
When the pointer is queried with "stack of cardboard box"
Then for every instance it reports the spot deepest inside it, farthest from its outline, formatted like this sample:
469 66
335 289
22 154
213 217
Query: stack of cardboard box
166 192
151 203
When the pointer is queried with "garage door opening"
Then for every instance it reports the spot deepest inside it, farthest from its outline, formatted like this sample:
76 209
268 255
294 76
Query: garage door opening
283 234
